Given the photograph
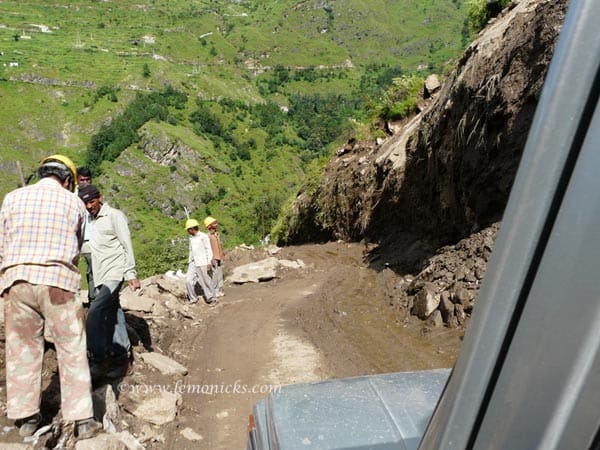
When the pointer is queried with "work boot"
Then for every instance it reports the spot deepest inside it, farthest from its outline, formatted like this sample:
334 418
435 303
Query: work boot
28 425
87 428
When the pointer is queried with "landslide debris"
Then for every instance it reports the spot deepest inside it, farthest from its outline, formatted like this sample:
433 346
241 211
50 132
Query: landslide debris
445 173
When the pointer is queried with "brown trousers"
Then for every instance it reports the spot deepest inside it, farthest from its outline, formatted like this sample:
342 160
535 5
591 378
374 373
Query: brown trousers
28 308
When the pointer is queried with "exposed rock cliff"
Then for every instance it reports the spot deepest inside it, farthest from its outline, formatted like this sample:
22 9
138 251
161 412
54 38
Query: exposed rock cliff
447 172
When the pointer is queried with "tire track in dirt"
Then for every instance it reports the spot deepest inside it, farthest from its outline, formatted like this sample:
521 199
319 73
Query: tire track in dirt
247 348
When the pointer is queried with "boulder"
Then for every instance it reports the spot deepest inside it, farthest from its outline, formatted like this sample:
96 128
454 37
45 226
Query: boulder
174 287
298 264
435 319
191 435
164 364
255 272
136 301
101 442
129 440
426 301
432 85
153 404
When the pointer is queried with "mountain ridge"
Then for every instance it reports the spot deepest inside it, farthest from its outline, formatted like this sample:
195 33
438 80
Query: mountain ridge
69 72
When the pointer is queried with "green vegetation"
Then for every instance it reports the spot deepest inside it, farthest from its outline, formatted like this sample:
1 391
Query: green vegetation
218 108
111 140
401 99
320 120
479 12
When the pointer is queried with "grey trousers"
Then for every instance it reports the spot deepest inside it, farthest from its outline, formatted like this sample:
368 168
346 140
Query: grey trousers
199 275
217 277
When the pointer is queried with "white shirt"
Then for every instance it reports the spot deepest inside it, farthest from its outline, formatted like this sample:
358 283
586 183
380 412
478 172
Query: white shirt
200 252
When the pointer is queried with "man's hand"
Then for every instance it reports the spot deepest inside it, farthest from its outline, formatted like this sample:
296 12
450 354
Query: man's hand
134 284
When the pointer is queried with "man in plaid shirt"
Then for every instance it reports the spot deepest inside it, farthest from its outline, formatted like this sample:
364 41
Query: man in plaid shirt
40 238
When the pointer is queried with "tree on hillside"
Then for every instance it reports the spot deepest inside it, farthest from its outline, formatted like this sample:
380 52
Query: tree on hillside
320 120
112 139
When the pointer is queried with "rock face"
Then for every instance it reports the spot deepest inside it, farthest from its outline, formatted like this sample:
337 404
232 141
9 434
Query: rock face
448 171
164 150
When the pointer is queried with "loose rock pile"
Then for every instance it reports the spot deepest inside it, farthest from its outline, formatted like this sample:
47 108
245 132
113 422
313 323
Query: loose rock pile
445 290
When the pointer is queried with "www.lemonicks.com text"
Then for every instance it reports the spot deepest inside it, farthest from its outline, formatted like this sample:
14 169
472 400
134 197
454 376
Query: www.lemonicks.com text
236 388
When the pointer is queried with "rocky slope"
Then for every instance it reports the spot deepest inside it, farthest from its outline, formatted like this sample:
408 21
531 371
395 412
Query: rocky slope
443 175
447 172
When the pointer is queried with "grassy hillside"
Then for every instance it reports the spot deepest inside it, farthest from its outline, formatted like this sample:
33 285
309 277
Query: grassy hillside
71 71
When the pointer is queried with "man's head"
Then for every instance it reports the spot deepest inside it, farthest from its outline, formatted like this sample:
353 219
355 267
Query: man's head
61 168
191 226
210 223
91 197
84 176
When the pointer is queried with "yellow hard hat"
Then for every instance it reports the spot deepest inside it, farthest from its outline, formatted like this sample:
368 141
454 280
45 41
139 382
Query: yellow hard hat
191 223
65 162
208 221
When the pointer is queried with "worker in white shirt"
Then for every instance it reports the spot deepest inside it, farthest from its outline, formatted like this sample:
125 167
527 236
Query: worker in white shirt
200 264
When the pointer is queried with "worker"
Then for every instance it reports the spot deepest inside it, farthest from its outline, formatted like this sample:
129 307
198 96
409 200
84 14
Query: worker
84 176
113 262
41 230
199 264
120 337
216 246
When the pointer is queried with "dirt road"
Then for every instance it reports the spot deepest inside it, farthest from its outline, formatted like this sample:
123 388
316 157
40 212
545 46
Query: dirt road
330 319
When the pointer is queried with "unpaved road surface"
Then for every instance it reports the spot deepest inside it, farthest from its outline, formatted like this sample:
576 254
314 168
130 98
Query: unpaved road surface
333 318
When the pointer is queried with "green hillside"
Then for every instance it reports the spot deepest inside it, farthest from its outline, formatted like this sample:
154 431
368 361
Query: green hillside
215 107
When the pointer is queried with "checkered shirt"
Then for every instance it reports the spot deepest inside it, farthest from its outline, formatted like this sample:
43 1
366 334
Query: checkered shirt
40 236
